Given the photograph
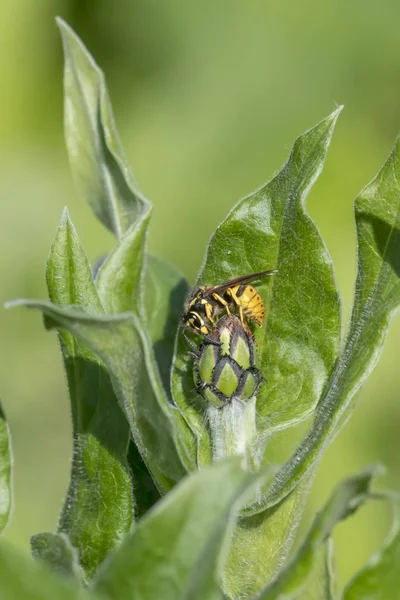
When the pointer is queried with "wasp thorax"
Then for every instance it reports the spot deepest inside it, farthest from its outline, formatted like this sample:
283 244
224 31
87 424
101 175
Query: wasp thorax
225 367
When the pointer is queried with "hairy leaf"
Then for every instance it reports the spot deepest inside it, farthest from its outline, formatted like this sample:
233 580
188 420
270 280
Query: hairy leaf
118 278
98 509
118 284
173 552
5 472
298 343
22 577
57 551
145 491
98 164
118 341
106 182
377 297
294 577
380 578
321 581
164 294
260 545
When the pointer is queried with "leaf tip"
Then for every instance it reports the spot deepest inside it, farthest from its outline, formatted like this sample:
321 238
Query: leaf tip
63 27
333 117
66 225
65 215
10 304
397 143
377 470
337 111
59 21
15 303
325 127
73 46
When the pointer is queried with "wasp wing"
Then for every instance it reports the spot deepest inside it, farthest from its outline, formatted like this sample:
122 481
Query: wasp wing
237 281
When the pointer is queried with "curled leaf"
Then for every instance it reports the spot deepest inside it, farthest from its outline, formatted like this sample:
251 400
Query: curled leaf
380 578
376 299
56 550
299 340
293 580
96 156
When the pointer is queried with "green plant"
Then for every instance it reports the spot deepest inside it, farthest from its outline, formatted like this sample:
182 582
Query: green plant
226 529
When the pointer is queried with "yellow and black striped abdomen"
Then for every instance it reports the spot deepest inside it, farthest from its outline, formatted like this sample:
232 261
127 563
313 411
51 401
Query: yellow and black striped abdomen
251 302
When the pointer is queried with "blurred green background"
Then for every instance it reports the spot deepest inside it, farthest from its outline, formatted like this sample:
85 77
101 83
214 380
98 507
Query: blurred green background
208 98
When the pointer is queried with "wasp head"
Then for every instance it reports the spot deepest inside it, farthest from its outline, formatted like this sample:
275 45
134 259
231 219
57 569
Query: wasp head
195 315
195 321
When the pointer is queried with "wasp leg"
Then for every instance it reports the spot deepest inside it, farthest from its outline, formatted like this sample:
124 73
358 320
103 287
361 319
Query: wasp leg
209 312
237 302
248 331
195 350
224 303
211 341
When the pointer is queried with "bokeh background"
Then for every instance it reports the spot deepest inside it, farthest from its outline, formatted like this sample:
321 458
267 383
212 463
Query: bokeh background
208 98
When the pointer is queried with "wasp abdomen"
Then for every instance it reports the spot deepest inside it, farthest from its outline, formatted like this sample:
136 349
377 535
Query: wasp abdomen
250 301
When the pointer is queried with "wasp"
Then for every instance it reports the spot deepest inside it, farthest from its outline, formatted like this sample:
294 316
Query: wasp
206 303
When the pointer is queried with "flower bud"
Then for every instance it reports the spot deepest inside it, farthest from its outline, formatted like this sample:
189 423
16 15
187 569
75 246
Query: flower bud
225 367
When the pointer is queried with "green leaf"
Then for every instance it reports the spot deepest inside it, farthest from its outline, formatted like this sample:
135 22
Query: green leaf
159 286
56 550
68 273
118 284
96 156
173 551
106 182
295 580
5 472
377 297
117 340
22 577
118 279
270 229
98 509
321 582
299 341
165 289
260 545
145 490
380 578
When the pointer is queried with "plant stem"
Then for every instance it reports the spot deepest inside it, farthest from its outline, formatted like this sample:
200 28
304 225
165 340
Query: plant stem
233 430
